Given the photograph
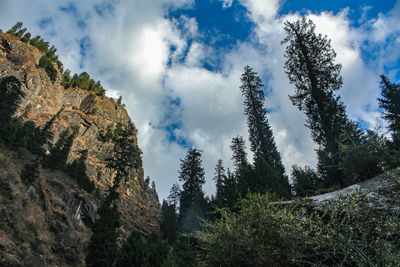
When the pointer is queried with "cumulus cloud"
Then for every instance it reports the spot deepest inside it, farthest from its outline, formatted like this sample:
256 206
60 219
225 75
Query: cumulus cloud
157 64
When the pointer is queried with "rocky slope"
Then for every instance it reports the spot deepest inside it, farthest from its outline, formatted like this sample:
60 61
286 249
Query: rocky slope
90 115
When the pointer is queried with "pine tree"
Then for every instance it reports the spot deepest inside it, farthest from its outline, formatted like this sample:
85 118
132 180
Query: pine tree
77 170
269 170
103 246
169 221
239 155
133 251
174 195
390 103
57 159
304 181
10 97
15 28
192 200
310 67
220 179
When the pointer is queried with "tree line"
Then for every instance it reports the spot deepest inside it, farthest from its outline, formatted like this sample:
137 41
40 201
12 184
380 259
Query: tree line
82 80
346 154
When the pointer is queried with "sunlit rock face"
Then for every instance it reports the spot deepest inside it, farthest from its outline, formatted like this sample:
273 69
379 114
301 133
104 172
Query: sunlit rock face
89 116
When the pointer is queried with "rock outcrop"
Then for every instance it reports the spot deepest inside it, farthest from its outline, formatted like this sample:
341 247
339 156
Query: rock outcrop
90 116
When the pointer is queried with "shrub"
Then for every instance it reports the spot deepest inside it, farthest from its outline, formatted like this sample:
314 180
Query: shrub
45 62
354 231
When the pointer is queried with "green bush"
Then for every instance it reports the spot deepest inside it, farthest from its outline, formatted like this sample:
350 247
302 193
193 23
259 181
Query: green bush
354 231
47 64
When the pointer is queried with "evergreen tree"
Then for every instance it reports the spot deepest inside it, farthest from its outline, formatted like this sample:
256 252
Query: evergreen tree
239 155
174 195
269 170
77 170
15 28
133 251
310 67
103 246
169 221
390 103
220 179
26 38
304 181
57 159
192 200
10 97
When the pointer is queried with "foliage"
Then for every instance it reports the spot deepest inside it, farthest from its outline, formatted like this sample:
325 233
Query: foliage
133 251
103 246
304 181
126 154
77 170
362 154
348 232
169 221
47 64
310 67
390 103
82 81
10 97
26 38
57 158
191 207
39 43
30 173
17 26
269 170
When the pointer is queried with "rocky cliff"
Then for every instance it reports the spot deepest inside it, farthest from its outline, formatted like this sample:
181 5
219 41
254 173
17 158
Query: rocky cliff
90 116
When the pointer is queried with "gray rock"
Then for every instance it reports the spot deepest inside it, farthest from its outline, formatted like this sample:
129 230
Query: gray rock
31 193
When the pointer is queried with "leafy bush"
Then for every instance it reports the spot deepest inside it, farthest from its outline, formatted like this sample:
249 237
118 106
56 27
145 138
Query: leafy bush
47 64
354 231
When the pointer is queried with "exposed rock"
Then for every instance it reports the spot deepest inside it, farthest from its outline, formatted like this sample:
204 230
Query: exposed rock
378 191
71 209
31 193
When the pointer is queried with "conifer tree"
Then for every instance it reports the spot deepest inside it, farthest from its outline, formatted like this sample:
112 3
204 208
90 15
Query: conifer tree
10 97
57 159
15 28
220 179
192 200
390 103
239 155
174 195
311 68
133 251
103 246
169 221
269 170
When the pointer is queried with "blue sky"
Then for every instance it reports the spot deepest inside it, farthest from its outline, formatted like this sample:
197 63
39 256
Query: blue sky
177 64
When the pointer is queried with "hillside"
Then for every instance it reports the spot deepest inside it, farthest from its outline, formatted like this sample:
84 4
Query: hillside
52 219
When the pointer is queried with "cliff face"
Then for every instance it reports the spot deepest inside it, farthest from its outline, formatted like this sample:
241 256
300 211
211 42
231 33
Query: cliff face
90 116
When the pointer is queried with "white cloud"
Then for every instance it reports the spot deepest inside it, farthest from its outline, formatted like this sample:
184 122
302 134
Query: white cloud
129 51
227 3
262 11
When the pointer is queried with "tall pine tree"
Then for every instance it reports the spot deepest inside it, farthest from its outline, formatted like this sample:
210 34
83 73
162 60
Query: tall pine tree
269 169
311 68
192 200
390 103
103 246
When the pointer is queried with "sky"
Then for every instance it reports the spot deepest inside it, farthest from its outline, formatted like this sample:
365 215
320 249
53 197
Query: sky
177 64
